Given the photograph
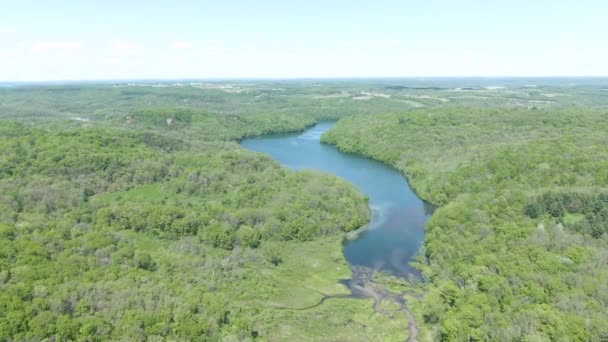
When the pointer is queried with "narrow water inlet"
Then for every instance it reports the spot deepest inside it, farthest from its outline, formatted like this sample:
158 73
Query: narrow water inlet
395 234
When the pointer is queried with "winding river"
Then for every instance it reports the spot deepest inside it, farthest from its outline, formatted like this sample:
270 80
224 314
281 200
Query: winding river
396 231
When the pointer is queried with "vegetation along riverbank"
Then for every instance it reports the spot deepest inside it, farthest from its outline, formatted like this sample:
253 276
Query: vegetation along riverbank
130 212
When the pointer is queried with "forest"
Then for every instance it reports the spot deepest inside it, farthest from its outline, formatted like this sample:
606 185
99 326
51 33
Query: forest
109 234
518 248
130 212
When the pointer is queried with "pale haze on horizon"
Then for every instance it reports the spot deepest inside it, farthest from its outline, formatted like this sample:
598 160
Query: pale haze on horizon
100 40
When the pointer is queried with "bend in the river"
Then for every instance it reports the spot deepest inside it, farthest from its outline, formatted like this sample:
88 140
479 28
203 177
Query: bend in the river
396 231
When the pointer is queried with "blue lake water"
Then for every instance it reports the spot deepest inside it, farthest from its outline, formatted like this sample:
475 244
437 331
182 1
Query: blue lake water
396 231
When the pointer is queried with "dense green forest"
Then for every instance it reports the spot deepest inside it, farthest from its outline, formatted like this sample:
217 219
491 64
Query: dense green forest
518 248
130 227
129 211
109 235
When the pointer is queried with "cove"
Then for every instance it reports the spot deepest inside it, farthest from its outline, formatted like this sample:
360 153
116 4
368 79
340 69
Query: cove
396 230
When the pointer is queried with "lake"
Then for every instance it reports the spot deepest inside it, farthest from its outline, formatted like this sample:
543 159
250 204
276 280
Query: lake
396 231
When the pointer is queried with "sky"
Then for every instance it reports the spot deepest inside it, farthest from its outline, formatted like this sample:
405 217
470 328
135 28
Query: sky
137 39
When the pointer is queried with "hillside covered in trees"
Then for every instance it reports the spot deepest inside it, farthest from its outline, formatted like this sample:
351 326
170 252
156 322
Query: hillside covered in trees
110 235
518 248
150 224
129 211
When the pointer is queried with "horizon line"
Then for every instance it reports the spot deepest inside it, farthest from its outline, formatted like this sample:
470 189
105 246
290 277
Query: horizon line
262 78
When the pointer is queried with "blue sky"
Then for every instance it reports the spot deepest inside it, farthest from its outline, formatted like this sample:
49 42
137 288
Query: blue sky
126 39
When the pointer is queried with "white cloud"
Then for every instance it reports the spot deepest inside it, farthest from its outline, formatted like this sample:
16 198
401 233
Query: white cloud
216 51
6 30
56 45
179 45
124 48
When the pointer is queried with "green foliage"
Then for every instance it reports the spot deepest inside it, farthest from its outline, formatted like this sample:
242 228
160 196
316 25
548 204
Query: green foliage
114 235
144 261
272 254
168 116
127 213
584 213
498 261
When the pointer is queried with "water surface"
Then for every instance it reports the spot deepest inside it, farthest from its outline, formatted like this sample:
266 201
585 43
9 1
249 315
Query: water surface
396 231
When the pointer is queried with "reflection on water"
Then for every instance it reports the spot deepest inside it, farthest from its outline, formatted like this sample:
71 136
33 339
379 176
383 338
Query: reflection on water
396 231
